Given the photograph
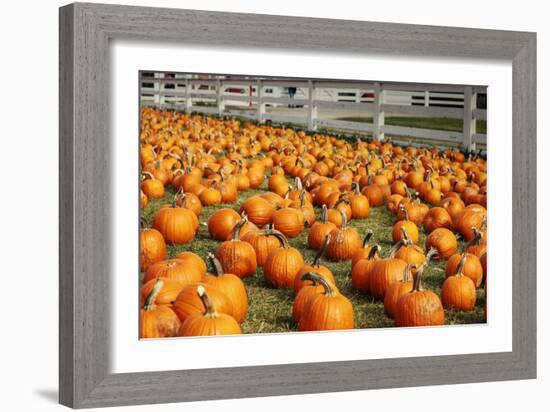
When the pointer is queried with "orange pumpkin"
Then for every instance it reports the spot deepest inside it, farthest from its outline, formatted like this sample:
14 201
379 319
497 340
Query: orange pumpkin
435 218
222 222
175 269
345 241
405 226
176 224
236 256
364 251
398 289
444 241
319 230
282 264
360 272
459 291
188 302
209 322
152 247
471 267
289 221
383 273
258 210
157 321
231 285
419 307
329 310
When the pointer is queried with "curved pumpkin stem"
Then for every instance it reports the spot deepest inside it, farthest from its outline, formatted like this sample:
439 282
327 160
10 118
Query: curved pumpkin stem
393 250
216 264
321 252
476 240
374 250
209 309
407 273
460 267
367 237
235 233
328 289
179 171
149 304
142 223
148 174
341 199
280 236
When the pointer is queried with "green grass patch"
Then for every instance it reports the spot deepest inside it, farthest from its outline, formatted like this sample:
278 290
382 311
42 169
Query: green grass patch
270 309
434 123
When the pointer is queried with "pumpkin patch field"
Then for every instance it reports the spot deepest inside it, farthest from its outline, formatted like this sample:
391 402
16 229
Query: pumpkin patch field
249 228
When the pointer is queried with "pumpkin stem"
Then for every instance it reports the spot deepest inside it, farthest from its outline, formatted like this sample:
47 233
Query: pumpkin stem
374 250
235 233
407 273
341 199
148 174
476 240
279 235
209 310
366 239
302 197
178 172
216 264
321 251
404 211
427 175
406 238
395 248
317 279
288 192
324 217
483 225
142 223
355 187
179 193
430 254
344 218
461 264
417 284
298 183
150 301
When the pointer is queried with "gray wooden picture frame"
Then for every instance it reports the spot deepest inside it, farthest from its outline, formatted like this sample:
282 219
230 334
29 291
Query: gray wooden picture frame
85 32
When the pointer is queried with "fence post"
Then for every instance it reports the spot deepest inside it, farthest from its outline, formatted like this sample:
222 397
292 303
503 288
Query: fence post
312 107
378 115
260 106
426 98
469 126
156 88
219 97
188 102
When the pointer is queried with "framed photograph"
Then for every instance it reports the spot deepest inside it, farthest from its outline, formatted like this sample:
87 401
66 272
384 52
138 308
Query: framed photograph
256 205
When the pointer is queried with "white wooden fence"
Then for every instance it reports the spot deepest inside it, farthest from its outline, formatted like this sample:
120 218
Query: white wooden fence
250 97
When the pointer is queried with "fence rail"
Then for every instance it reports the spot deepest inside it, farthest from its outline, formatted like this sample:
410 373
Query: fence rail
251 98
